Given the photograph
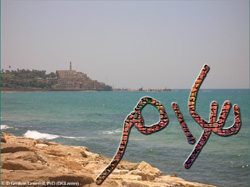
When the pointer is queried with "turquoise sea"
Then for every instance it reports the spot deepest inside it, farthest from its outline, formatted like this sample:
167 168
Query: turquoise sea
95 120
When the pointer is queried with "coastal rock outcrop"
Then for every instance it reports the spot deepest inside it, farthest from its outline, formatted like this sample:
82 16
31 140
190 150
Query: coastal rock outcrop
29 162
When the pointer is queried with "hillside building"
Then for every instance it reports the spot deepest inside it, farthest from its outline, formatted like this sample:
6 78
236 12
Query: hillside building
72 80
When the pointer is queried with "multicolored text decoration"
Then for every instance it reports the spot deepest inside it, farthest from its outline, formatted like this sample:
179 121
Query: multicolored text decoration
136 118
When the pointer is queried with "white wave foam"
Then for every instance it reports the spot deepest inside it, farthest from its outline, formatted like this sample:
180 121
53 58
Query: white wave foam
112 132
72 137
38 135
5 127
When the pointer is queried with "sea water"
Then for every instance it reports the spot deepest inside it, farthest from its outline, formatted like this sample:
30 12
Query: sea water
95 120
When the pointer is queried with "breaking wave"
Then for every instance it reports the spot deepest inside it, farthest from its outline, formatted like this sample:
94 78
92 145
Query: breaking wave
38 135
45 136
5 127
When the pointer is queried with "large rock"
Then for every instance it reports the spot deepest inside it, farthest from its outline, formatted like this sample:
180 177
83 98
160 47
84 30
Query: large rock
108 183
80 180
127 165
12 148
3 138
148 169
29 160
18 165
133 184
32 157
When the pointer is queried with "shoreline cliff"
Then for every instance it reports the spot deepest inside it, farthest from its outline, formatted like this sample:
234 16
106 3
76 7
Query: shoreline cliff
30 162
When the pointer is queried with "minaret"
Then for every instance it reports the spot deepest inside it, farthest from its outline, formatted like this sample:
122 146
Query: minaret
70 67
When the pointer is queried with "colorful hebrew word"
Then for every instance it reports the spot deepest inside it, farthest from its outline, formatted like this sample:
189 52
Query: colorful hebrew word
135 118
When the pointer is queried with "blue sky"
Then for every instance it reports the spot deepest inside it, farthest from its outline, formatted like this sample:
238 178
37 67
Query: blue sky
129 44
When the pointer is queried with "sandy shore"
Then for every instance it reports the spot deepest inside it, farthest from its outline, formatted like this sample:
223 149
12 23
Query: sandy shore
29 162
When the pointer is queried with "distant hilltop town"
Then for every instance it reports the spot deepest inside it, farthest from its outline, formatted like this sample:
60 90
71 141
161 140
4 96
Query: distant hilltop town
62 80
72 80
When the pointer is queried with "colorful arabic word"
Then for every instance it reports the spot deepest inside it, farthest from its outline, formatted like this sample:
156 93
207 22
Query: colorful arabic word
135 118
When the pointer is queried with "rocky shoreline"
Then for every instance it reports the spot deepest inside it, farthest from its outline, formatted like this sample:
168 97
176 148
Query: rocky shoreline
30 162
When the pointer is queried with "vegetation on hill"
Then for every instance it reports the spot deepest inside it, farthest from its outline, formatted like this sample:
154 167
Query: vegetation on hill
16 79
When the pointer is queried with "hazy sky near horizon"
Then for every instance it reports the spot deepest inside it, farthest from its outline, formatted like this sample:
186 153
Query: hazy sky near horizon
130 44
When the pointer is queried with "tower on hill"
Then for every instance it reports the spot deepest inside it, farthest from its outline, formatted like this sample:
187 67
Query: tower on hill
70 66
